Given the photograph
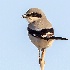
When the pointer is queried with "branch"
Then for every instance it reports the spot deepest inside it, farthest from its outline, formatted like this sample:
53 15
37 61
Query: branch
42 62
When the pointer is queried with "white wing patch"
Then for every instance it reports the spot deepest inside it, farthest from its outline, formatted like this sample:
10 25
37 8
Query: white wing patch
47 35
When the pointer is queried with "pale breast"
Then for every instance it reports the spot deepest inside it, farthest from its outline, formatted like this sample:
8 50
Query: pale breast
40 43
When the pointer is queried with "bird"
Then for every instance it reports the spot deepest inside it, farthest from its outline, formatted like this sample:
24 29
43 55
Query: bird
40 30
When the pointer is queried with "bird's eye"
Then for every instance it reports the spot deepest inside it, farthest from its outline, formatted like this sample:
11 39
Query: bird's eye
36 15
28 15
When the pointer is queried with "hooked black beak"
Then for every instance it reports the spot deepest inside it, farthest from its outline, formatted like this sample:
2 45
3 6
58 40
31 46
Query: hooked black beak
24 16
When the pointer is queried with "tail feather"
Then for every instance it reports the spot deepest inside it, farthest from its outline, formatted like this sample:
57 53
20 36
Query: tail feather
56 38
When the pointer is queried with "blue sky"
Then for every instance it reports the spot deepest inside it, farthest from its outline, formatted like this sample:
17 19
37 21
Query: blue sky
16 50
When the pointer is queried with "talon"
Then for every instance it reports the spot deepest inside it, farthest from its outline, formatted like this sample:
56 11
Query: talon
42 49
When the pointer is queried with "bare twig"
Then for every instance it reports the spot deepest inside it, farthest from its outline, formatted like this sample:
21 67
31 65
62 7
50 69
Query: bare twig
41 59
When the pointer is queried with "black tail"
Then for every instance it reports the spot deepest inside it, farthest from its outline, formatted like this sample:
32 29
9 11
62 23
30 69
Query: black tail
56 38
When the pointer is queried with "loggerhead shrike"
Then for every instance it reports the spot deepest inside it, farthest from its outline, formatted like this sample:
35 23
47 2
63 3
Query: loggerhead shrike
40 30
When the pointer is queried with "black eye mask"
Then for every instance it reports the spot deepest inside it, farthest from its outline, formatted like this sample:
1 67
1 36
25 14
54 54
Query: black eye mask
34 15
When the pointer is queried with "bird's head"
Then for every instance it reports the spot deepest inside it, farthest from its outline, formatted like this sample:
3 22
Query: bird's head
33 14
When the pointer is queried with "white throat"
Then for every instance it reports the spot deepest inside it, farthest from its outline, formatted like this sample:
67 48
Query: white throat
32 19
